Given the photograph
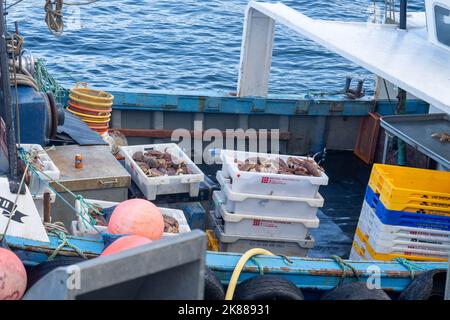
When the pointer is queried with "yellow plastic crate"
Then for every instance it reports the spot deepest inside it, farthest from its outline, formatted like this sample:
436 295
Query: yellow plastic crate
365 250
411 189
359 251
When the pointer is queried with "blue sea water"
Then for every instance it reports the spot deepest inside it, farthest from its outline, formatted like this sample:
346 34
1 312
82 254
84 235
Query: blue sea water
187 45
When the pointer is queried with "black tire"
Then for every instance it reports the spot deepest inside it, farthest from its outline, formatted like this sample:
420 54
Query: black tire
267 288
34 274
428 285
355 291
213 287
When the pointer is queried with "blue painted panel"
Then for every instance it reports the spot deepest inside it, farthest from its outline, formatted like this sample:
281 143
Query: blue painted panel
322 274
385 107
33 252
216 102
34 116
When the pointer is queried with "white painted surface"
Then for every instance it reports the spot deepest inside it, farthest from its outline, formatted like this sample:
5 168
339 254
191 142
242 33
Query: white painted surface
404 58
256 54
29 224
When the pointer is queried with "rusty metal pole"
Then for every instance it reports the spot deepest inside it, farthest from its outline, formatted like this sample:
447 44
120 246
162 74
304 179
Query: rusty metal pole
47 208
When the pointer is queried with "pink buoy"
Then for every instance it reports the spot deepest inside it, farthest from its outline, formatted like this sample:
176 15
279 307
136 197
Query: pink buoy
137 217
125 243
13 277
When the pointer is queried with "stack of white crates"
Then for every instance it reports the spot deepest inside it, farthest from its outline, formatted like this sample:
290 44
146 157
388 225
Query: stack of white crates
265 210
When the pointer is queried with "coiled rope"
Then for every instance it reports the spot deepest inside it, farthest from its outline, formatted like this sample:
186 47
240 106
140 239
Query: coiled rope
54 16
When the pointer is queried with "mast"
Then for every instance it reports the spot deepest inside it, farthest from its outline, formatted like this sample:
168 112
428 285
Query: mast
6 110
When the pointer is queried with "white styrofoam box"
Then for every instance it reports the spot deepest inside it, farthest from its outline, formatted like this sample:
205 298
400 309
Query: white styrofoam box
267 227
39 202
39 184
268 183
370 224
153 186
269 206
280 246
83 228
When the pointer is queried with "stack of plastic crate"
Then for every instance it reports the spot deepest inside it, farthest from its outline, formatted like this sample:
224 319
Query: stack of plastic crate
405 214
266 210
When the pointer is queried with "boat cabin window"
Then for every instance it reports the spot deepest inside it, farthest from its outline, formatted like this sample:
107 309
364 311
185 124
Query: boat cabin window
442 18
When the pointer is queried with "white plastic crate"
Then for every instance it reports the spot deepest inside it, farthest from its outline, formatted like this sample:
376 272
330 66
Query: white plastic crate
407 248
281 246
398 247
267 227
369 223
153 186
354 255
83 228
268 206
268 183
39 183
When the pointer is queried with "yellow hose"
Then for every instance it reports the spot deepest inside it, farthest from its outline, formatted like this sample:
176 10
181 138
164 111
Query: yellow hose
239 266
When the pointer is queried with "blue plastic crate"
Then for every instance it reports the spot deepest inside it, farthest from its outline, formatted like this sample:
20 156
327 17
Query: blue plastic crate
404 218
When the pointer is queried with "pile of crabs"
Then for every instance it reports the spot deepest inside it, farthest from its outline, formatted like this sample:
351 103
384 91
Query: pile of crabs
292 166
155 163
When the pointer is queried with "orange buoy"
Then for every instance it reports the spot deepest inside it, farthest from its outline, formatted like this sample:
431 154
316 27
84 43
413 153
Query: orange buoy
137 217
125 243
13 277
